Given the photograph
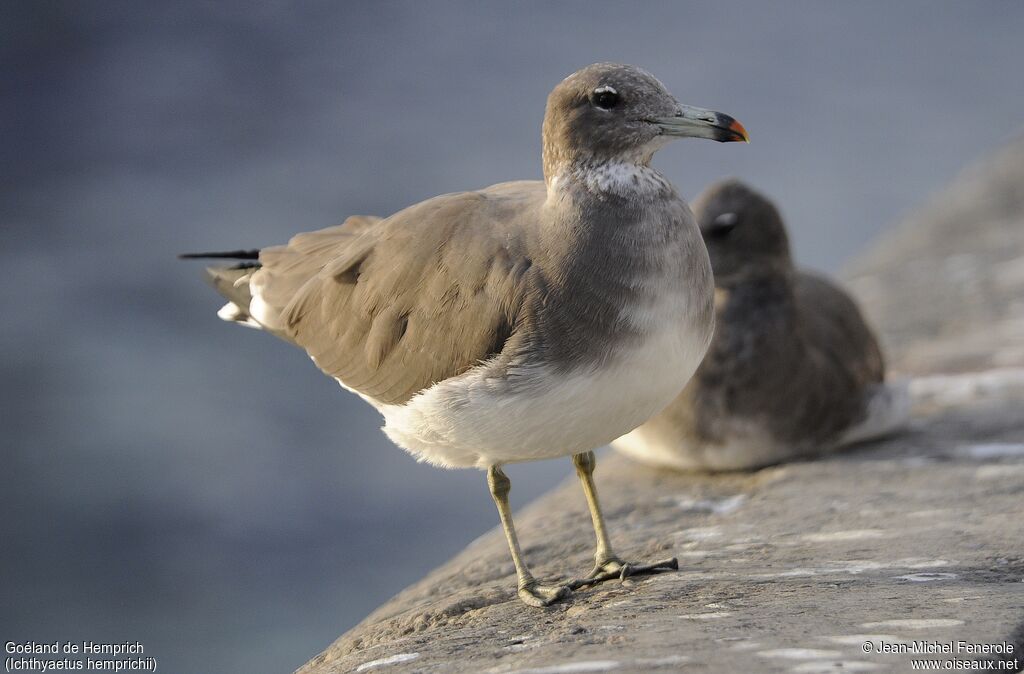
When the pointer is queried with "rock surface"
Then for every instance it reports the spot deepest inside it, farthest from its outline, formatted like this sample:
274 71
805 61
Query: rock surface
792 568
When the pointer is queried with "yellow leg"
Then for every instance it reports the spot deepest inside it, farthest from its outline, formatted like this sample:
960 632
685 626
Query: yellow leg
607 563
530 591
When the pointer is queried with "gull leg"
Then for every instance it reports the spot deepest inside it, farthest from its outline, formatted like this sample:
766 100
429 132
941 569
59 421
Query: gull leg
608 565
530 591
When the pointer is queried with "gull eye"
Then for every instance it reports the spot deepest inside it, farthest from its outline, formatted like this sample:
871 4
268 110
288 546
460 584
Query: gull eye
723 224
605 97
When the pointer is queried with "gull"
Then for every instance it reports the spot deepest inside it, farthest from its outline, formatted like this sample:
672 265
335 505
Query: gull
527 320
793 369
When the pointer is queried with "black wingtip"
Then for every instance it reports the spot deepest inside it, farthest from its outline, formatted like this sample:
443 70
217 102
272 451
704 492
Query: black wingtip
227 254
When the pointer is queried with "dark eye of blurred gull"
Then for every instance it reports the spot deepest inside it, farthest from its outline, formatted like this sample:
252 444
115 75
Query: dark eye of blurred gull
726 220
723 224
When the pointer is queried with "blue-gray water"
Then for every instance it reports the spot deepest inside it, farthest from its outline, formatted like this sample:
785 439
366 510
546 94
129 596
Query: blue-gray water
201 488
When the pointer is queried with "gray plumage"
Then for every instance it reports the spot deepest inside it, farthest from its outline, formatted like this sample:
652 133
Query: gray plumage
793 368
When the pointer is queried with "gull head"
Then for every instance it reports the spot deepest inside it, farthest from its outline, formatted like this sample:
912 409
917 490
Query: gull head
609 112
743 232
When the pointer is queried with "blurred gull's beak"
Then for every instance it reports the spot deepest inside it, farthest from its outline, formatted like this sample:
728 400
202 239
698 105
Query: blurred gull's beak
694 122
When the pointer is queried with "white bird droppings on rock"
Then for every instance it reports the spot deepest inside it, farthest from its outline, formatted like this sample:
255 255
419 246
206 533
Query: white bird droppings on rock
826 666
960 600
391 660
852 535
722 506
958 389
692 553
915 623
929 514
927 577
800 653
699 533
993 450
860 639
746 646
573 668
705 616
857 567
666 661
999 471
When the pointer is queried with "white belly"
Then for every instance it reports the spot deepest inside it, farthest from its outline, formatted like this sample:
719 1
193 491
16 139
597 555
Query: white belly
748 447
477 420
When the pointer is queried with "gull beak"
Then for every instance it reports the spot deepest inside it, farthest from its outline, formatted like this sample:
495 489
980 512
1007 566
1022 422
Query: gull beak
693 122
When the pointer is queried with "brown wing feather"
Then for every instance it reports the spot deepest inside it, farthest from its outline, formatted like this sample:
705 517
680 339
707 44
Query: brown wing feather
285 269
832 320
419 297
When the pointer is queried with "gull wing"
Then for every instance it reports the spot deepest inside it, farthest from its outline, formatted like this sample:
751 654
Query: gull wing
408 301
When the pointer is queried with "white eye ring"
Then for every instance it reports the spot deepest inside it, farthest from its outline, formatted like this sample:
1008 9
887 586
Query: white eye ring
726 219
605 89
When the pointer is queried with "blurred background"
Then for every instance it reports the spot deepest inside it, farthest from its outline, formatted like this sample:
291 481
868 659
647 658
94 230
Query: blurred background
201 488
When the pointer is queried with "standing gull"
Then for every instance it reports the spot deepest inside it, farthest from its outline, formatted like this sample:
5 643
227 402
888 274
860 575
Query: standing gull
793 369
527 320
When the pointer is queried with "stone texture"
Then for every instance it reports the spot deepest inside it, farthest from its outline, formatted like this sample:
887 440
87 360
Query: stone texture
792 568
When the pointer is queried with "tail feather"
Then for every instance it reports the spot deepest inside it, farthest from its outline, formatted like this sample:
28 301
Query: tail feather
260 284
253 254
233 284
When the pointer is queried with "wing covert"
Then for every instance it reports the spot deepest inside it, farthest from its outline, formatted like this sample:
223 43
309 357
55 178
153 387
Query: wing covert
419 297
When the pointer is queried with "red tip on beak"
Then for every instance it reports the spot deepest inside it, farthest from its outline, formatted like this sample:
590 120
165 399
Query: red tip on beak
738 129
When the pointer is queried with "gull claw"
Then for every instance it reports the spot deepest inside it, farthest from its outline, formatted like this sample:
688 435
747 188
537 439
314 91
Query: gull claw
616 568
535 594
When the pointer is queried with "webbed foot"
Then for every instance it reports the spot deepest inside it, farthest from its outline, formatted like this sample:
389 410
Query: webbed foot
614 567
535 594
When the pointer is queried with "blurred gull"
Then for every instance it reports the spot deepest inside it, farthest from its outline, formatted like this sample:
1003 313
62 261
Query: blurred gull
527 320
793 369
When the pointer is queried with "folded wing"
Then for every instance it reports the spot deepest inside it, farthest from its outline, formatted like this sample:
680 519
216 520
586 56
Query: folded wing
390 307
